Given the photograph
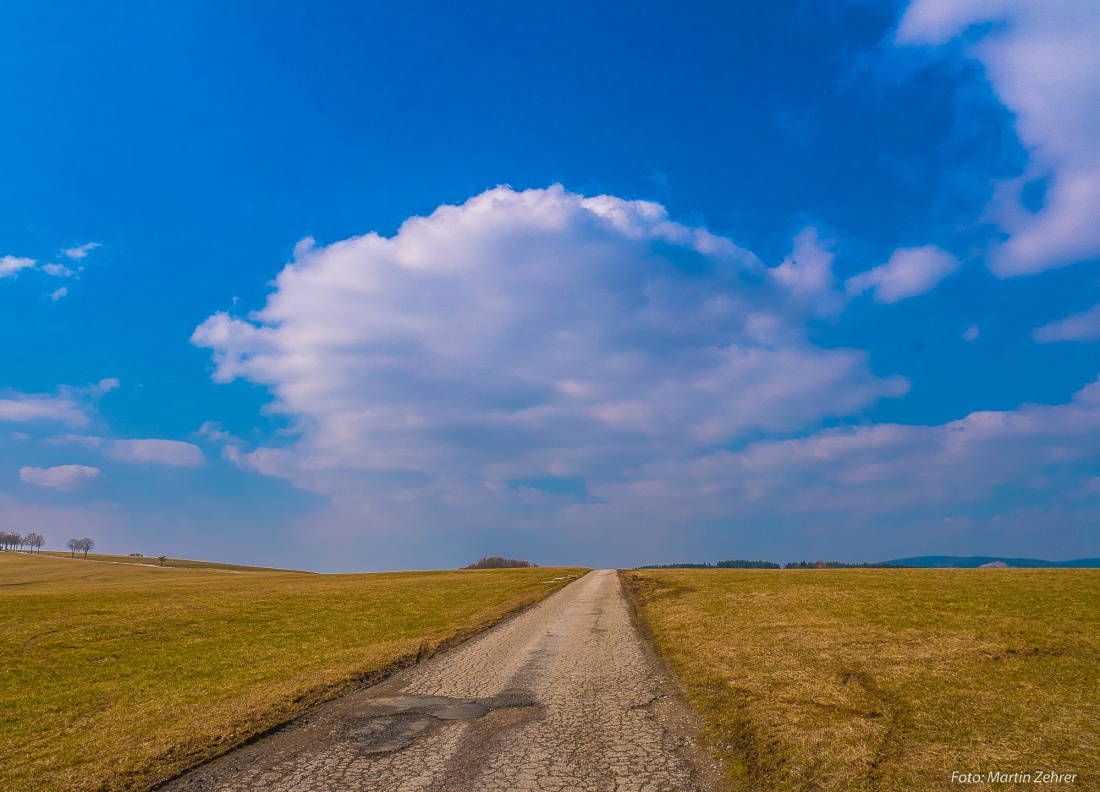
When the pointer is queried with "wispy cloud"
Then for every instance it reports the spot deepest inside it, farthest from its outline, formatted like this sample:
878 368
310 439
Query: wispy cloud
87 441
1084 326
164 452
24 407
138 451
57 295
909 272
80 251
70 406
62 477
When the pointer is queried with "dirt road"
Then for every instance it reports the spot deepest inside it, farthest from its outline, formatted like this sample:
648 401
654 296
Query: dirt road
564 696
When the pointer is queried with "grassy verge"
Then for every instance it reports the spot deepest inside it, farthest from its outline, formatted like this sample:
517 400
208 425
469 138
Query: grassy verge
885 679
114 676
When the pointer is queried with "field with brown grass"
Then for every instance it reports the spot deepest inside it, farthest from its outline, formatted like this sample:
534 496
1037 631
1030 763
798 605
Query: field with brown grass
117 675
885 679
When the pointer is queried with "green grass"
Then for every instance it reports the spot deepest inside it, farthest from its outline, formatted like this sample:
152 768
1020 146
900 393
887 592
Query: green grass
885 679
114 676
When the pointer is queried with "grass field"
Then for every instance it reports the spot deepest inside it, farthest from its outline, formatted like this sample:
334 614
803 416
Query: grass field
174 563
116 675
885 679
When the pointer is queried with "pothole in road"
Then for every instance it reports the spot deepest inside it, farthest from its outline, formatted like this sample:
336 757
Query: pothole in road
393 723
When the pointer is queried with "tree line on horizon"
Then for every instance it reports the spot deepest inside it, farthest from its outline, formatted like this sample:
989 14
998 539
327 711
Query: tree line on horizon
10 540
737 563
14 541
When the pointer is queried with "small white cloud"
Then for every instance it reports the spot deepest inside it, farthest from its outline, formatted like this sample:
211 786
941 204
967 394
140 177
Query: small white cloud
57 270
10 266
808 272
57 295
21 436
27 407
277 462
80 251
971 333
213 432
164 452
105 385
1084 326
62 477
908 273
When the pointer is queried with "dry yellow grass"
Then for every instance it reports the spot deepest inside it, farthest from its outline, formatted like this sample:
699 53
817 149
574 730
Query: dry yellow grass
175 563
114 676
885 679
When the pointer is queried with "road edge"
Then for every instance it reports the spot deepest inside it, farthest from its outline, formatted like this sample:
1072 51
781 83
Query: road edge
366 680
677 715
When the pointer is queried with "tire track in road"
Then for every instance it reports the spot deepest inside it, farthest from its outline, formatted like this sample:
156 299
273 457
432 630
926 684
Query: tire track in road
555 699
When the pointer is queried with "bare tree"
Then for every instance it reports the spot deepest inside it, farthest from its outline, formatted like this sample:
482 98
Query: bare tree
162 559
72 546
7 539
86 545
35 540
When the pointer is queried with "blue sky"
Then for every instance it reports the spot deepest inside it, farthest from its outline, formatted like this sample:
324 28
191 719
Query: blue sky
350 288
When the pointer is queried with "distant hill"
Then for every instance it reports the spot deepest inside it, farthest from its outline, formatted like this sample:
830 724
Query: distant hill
972 562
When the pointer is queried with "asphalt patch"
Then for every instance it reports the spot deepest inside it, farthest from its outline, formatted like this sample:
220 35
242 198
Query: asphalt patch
392 723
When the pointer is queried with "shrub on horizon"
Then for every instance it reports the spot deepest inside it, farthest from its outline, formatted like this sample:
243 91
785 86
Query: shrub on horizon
497 562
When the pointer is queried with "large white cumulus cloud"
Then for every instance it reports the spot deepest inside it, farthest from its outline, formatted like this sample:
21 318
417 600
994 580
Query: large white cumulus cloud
525 335
1043 61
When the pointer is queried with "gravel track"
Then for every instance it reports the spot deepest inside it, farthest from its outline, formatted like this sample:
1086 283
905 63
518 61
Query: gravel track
564 696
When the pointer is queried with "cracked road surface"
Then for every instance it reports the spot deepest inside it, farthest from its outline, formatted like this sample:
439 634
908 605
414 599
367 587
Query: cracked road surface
564 696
